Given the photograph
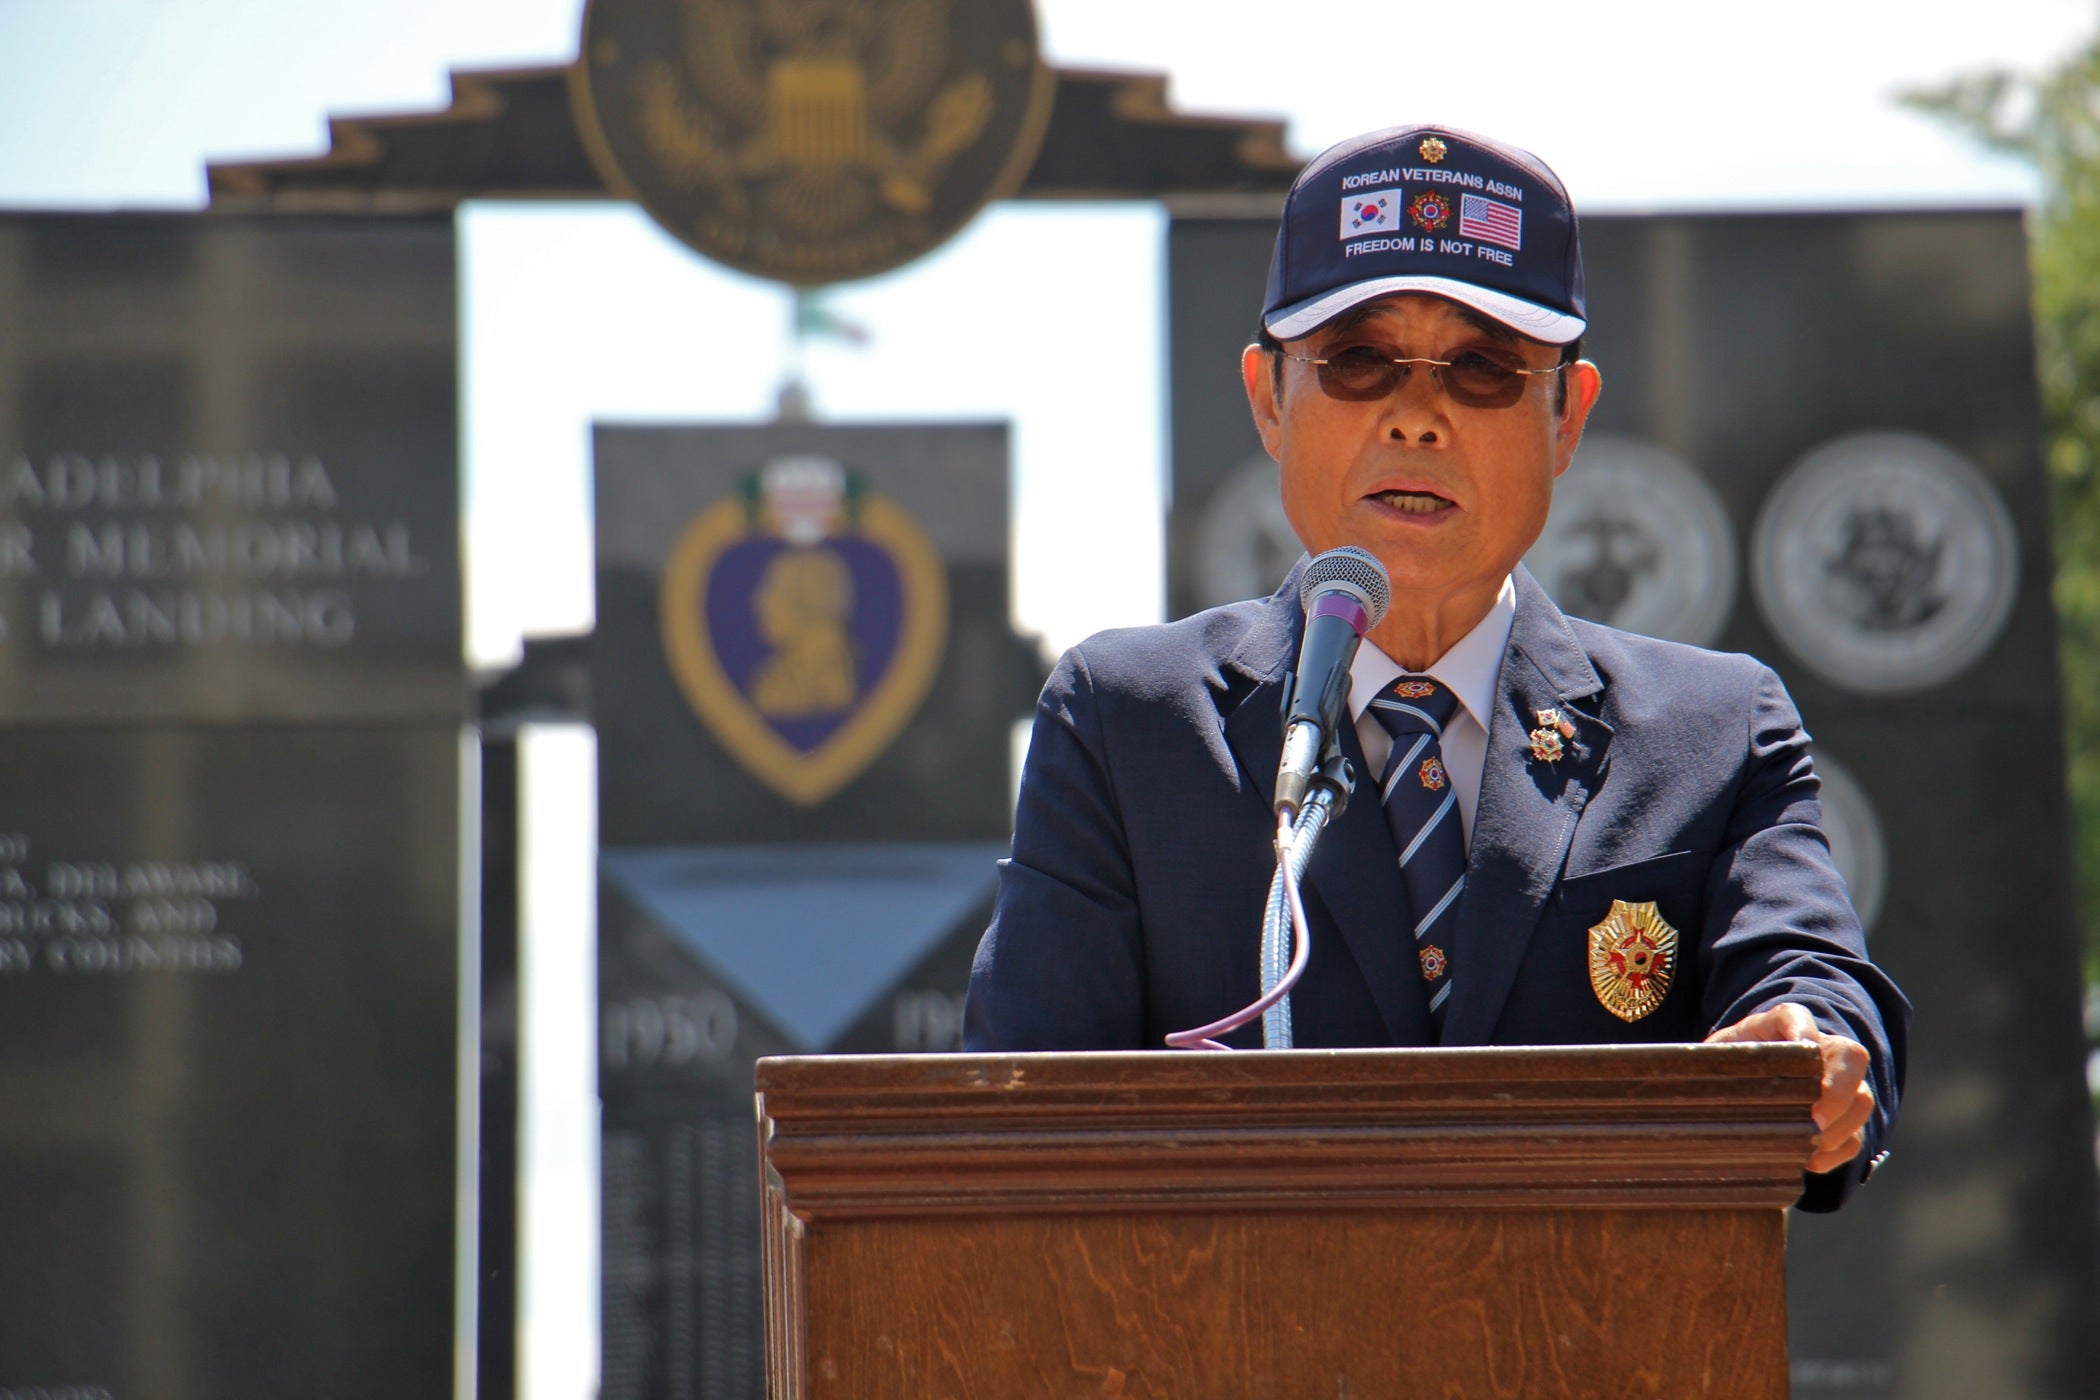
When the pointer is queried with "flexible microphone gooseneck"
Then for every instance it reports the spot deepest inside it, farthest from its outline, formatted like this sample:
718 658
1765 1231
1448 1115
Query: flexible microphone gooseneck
1345 592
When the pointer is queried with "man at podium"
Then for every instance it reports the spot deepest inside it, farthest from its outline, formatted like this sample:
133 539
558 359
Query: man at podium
1560 834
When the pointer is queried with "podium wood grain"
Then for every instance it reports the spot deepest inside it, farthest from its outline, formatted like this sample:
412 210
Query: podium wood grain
1595 1222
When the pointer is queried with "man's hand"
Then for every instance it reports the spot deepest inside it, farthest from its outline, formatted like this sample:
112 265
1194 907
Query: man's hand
1846 1103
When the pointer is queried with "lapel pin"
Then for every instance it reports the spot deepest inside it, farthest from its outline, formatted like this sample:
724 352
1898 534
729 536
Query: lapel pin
1548 741
1545 745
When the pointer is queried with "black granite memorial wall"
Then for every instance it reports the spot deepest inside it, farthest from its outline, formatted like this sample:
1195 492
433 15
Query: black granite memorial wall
231 768
1818 443
804 684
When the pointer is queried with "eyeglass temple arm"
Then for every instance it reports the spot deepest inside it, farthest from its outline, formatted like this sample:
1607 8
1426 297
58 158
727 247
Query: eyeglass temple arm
1420 360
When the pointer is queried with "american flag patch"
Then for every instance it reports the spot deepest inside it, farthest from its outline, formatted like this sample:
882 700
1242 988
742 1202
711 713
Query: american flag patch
1491 221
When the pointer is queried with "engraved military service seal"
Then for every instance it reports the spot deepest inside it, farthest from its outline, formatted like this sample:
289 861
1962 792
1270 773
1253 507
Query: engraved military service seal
1638 540
1243 541
1886 562
812 141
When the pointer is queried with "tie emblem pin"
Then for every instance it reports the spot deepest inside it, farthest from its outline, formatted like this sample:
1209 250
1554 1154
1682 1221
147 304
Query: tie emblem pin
1433 963
1432 774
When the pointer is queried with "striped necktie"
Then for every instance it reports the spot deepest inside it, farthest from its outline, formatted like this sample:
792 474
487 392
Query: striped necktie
1421 806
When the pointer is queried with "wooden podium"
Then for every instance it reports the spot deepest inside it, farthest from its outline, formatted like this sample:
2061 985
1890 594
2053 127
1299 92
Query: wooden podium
1355 1224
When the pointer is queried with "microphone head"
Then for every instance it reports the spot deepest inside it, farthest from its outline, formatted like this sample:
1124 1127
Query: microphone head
1350 570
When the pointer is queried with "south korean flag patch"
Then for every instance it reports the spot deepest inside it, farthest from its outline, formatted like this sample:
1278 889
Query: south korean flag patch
1373 211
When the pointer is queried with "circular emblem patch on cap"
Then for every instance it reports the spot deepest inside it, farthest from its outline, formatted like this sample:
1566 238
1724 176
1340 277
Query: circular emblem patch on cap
1637 540
811 141
1886 562
1430 210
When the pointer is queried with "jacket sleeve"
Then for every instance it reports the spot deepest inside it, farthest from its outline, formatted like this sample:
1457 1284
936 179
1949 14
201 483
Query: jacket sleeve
1782 928
1061 966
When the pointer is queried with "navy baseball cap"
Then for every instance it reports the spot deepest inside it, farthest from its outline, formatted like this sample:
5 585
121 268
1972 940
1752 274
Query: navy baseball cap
1428 209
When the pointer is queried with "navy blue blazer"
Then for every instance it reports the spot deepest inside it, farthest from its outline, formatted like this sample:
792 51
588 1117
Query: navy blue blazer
1131 905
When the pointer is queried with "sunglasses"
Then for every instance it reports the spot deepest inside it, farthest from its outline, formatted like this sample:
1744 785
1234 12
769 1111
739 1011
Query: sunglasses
1360 375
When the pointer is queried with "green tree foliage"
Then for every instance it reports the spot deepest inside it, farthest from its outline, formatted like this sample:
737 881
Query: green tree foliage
2052 120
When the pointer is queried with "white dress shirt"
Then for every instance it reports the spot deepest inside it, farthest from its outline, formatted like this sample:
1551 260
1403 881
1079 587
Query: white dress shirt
1472 669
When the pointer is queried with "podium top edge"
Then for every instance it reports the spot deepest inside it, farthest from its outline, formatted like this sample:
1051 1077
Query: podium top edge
1798 1065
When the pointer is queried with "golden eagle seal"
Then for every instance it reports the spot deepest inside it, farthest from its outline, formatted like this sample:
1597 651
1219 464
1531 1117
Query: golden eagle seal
812 141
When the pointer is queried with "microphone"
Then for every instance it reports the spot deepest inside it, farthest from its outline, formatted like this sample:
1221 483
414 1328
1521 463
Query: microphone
1345 592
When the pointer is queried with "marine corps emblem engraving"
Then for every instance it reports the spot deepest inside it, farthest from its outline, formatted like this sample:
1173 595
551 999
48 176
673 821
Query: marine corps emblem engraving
1633 957
1639 540
803 620
811 141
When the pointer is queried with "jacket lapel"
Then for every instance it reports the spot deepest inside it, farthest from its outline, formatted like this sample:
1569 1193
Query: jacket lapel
1355 873
1527 811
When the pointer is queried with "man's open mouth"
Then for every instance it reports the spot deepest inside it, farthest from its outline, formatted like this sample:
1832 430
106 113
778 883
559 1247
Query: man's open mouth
1412 502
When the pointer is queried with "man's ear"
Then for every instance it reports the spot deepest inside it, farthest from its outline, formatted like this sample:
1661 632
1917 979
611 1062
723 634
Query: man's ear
1258 374
1585 383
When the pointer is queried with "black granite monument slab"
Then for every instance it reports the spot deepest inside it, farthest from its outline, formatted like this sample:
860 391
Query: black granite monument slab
1818 442
228 469
804 682
229 986
711 958
231 808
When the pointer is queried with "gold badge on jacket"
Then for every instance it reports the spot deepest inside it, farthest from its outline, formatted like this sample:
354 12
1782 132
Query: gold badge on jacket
812 141
1633 957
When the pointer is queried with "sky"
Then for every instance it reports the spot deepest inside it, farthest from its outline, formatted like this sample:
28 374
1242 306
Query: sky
576 313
